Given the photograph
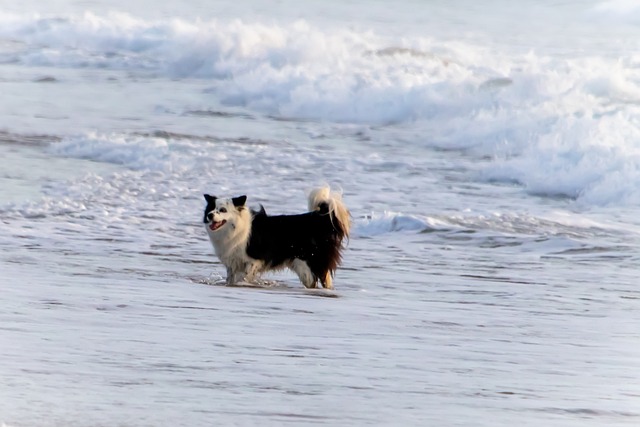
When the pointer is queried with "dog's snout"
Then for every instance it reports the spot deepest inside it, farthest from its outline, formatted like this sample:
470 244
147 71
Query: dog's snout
210 216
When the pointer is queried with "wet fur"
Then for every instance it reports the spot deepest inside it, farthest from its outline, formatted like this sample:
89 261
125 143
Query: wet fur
251 242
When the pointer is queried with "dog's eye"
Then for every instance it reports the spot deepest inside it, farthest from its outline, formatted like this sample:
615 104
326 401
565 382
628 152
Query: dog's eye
222 210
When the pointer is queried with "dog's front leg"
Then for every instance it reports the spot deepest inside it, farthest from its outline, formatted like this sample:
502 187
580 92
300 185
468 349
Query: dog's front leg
231 276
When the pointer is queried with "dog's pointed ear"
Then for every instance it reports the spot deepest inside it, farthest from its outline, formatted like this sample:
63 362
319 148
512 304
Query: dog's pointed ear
239 201
210 199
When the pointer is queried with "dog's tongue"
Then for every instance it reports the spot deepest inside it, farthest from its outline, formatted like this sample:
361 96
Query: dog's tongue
215 225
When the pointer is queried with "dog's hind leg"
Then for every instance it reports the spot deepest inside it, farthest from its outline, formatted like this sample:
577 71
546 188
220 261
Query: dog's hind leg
327 280
253 270
304 273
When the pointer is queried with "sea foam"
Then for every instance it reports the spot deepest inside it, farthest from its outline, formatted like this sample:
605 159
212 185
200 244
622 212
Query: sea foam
559 126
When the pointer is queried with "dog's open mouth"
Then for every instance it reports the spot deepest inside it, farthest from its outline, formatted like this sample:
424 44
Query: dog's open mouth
215 225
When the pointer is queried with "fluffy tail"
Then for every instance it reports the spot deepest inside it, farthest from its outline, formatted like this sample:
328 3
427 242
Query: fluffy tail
326 202
323 198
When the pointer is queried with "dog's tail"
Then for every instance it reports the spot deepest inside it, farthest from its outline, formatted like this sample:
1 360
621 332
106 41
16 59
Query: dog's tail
324 200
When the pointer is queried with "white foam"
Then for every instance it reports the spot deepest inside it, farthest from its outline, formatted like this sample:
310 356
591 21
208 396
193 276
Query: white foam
590 159
136 153
560 126
387 222
294 70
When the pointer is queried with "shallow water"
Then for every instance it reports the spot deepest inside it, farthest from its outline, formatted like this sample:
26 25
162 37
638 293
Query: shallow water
483 338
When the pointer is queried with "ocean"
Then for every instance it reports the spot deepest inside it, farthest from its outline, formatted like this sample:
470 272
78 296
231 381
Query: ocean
489 153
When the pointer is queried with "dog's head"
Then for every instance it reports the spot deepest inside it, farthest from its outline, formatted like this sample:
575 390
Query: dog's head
223 214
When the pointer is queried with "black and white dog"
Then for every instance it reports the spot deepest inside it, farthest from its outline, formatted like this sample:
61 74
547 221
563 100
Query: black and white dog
251 242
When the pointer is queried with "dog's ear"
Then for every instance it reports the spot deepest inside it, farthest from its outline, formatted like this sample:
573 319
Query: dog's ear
239 201
210 199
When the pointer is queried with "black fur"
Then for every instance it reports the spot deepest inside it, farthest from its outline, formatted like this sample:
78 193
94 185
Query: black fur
239 201
314 237
211 205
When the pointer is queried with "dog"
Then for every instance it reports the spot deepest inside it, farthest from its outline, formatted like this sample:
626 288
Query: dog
249 242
